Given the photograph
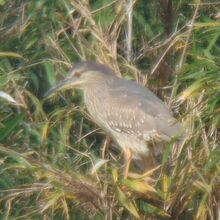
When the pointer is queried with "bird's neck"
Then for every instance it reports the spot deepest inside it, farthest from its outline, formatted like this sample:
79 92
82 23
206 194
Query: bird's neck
95 95
96 100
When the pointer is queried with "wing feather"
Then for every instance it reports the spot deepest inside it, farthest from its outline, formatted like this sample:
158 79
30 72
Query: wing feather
136 110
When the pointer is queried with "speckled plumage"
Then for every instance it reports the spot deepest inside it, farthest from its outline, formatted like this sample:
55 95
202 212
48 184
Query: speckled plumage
131 114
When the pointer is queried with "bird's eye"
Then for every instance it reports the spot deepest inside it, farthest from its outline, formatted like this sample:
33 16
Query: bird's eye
77 74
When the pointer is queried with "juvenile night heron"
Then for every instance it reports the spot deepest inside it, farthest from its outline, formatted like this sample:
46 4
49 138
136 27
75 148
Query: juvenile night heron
128 112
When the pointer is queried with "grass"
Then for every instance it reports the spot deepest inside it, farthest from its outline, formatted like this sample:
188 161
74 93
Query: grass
54 162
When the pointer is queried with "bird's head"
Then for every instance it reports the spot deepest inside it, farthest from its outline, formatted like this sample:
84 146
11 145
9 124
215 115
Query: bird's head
83 75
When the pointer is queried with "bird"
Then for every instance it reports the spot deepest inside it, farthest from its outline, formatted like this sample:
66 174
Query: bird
128 112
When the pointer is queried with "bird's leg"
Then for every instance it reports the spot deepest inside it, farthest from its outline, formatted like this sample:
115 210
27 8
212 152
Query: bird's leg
128 158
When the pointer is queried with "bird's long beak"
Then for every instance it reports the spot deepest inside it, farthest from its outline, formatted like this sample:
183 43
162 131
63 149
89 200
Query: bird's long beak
64 84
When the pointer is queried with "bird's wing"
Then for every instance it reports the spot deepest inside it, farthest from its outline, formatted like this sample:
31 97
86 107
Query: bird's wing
136 110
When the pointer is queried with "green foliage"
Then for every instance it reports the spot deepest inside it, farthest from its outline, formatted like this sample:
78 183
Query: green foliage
50 163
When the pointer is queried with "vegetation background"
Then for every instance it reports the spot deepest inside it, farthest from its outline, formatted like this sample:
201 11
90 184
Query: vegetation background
51 162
